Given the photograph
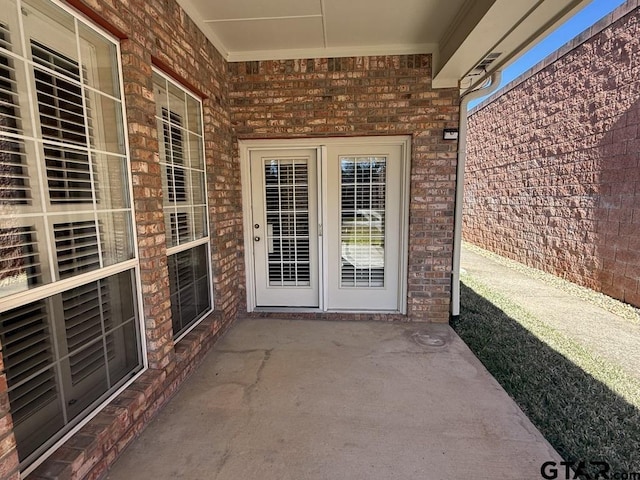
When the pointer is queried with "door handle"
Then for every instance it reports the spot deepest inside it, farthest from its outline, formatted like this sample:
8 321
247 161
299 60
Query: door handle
257 239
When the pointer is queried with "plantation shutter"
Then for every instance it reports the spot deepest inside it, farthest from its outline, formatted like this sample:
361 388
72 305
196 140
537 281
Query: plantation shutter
287 215
183 298
180 231
87 314
14 185
189 284
362 205
179 124
69 346
19 256
62 119
77 247
174 154
27 352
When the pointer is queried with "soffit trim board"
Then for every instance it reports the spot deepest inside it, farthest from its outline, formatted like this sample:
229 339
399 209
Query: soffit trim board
257 19
332 52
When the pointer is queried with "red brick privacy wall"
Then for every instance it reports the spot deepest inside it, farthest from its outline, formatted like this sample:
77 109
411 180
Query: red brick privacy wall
387 95
158 31
553 176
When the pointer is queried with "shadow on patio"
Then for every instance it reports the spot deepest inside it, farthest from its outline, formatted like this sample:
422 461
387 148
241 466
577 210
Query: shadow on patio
293 399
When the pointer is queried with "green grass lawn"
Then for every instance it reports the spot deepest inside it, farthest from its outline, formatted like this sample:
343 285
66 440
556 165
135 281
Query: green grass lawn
586 407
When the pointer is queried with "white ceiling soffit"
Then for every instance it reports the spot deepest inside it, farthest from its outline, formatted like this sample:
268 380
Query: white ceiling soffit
285 29
459 33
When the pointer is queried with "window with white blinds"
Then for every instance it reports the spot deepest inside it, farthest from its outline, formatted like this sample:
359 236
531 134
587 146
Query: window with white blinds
287 212
189 284
62 152
179 228
362 211
172 130
66 353
181 145
65 214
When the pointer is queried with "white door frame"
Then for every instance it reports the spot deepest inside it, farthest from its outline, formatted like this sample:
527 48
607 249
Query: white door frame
285 295
246 146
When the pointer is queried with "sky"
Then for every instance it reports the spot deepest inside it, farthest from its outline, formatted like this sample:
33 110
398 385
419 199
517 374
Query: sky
582 20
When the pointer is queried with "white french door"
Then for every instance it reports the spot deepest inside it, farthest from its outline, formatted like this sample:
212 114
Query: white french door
285 228
327 224
363 219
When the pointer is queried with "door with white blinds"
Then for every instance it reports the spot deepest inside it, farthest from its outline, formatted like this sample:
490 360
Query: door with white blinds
363 219
285 228
329 224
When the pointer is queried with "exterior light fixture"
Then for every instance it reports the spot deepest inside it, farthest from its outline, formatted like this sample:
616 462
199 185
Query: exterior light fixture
450 134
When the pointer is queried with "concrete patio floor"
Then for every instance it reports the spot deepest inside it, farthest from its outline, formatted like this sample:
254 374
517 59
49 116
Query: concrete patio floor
282 399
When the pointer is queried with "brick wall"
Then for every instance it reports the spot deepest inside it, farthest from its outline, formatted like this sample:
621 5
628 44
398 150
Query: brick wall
389 95
553 175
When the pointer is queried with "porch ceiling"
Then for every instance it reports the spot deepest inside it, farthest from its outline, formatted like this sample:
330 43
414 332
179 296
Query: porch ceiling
461 34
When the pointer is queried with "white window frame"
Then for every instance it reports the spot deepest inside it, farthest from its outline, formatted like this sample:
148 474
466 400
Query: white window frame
205 240
55 287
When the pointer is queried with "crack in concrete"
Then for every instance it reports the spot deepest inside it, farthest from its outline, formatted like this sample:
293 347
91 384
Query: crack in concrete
225 456
251 350
248 390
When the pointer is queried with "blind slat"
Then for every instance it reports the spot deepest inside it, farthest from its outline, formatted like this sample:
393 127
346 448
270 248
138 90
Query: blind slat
71 164
27 330
38 394
83 314
54 60
26 350
30 355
